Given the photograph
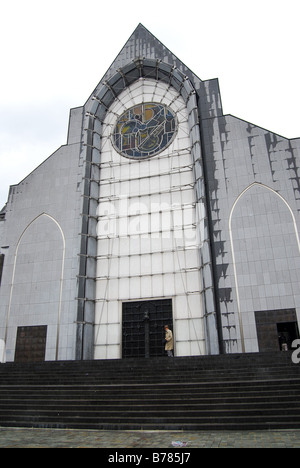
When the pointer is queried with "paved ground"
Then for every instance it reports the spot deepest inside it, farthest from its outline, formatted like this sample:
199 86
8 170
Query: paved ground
68 438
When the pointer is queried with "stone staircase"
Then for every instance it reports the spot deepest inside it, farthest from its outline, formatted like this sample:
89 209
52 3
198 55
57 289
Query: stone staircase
229 392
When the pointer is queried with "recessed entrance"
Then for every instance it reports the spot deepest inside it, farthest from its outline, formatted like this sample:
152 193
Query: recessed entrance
287 333
31 344
276 329
143 327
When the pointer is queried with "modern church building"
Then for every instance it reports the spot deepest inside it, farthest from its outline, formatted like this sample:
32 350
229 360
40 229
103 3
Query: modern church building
159 210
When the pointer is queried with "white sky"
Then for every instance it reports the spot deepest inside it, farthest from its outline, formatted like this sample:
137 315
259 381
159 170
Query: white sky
54 53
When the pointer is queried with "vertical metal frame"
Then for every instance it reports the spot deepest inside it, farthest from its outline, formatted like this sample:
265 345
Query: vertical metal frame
95 115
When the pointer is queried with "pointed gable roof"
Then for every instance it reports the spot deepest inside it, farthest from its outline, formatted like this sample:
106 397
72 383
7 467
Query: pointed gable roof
144 46
142 43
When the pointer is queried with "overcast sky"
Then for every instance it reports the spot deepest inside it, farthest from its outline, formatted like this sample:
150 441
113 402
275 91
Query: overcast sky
54 53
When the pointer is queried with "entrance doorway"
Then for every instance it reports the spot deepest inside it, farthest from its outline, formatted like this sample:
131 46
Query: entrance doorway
287 333
276 328
31 344
143 327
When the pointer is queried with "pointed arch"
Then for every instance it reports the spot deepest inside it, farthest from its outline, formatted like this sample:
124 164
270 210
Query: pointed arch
100 102
255 184
61 274
274 192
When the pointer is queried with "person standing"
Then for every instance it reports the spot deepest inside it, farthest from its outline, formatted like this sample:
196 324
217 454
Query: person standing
169 341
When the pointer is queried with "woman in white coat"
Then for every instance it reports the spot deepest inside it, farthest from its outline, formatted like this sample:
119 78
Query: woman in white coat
169 341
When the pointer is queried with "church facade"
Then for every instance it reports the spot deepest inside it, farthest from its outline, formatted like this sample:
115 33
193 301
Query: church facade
159 210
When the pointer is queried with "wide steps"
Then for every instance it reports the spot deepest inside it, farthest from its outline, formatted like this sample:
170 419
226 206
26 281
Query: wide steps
211 392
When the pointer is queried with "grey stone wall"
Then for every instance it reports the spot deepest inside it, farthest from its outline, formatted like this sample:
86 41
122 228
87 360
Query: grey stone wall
39 237
254 196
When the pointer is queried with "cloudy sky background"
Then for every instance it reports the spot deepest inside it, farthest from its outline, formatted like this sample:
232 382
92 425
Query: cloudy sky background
54 53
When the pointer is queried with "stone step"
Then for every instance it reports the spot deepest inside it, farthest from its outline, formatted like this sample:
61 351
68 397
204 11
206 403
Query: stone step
210 422
211 392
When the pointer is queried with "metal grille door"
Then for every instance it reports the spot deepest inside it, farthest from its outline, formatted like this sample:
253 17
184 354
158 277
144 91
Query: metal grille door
143 327
31 344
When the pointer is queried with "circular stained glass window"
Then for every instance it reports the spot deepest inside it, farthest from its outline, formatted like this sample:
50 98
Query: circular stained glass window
144 130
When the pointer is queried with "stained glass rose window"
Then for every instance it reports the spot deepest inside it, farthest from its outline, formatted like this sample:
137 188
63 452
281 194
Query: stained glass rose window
144 130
